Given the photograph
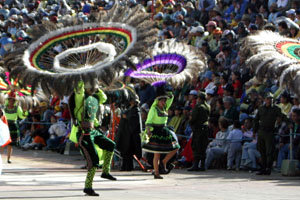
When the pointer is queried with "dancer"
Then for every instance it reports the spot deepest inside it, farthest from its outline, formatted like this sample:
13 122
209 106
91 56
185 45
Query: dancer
162 140
12 112
4 134
84 104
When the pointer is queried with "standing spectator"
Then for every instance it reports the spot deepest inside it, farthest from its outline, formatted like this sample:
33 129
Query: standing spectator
128 140
235 148
146 93
199 124
264 125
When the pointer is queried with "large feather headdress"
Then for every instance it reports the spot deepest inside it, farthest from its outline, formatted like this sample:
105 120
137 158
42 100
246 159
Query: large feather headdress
172 62
22 95
273 56
61 55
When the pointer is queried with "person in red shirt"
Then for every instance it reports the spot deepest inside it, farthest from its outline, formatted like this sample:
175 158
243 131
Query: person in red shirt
193 98
224 82
236 83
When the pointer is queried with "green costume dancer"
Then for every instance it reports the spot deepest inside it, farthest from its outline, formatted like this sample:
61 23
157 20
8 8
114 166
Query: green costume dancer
84 105
162 139
13 112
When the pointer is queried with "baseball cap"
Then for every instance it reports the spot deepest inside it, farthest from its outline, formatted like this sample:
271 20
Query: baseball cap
193 92
211 23
291 12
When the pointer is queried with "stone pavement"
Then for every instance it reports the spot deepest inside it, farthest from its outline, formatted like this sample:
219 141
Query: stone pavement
48 175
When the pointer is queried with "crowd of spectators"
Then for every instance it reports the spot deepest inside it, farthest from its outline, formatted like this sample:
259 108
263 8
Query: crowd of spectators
214 26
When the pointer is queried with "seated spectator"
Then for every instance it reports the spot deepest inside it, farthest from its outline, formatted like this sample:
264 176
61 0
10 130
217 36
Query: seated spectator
296 104
283 28
213 127
236 83
184 127
230 112
65 113
38 135
284 104
193 98
284 141
176 119
219 146
56 131
235 146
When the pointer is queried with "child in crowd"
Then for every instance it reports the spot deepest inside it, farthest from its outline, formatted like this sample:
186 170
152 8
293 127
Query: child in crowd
235 147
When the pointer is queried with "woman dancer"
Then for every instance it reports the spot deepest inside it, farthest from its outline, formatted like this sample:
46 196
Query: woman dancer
162 139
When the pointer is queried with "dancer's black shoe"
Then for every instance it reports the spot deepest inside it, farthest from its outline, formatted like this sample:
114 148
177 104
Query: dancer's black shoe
90 192
108 176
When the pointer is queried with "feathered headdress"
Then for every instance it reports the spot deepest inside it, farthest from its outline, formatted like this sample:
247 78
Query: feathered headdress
172 62
10 88
61 55
273 56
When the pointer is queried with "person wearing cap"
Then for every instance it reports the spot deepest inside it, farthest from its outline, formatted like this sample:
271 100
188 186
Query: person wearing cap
264 125
162 139
193 98
192 13
196 36
84 104
127 138
13 112
199 123
211 26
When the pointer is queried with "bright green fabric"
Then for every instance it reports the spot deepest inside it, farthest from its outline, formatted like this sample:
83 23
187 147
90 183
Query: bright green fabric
15 113
107 156
80 98
175 122
157 116
90 177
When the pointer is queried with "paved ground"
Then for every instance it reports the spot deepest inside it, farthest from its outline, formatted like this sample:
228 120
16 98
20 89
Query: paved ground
48 175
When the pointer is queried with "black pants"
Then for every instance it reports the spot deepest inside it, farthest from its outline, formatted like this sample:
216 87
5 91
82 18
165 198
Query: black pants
200 142
86 144
266 147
